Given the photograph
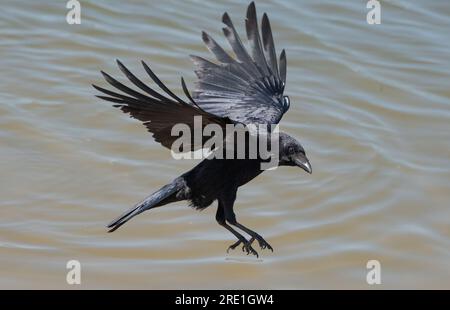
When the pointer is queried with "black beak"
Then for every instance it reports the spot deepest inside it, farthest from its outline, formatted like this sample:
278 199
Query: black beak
303 162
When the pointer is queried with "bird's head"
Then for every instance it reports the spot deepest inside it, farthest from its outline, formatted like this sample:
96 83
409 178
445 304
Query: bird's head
292 153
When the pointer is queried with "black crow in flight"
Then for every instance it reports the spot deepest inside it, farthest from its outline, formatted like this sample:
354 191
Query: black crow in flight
245 89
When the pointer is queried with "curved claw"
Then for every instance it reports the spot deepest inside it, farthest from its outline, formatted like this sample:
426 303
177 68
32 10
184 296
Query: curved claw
234 245
246 247
263 243
251 250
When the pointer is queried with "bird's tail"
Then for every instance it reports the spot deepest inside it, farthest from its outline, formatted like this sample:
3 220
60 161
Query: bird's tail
165 195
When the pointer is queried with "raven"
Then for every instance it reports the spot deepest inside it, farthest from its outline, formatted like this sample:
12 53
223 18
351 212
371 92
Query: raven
245 89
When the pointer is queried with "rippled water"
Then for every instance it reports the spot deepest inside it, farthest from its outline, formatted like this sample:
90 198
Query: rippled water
370 103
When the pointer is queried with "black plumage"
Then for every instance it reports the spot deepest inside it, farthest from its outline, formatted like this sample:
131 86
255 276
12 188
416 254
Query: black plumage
244 90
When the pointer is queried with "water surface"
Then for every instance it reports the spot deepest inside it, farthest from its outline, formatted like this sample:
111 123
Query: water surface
370 103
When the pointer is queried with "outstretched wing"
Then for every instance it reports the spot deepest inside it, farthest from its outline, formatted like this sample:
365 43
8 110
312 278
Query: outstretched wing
158 112
248 89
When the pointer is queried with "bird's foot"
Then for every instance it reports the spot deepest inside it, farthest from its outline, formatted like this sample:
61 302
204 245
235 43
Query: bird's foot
246 247
234 245
262 243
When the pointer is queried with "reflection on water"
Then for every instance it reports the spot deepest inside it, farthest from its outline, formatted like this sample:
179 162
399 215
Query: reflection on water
370 104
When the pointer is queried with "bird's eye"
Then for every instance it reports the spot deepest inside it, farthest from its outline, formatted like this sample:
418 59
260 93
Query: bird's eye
291 150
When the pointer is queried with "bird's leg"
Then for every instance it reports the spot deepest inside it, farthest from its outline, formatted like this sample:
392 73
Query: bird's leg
227 203
220 217
231 218
262 243
241 239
